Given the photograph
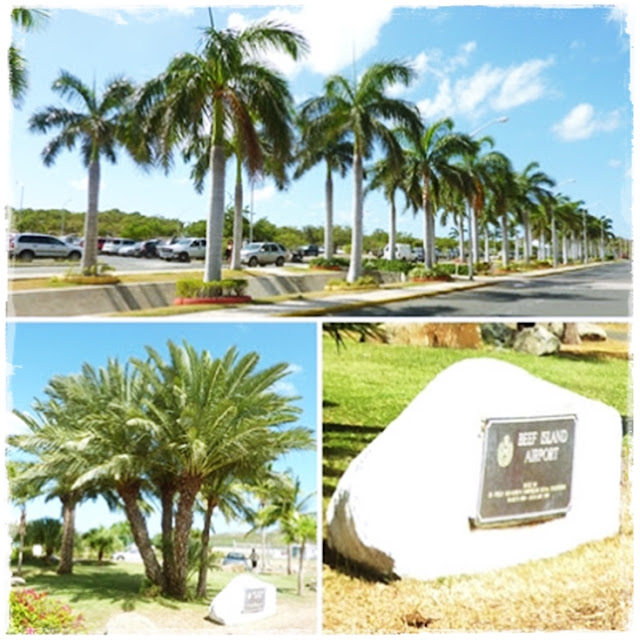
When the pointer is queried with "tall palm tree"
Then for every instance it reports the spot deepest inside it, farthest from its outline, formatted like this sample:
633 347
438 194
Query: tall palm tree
27 20
224 88
500 179
533 188
98 128
337 155
387 174
430 164
363 112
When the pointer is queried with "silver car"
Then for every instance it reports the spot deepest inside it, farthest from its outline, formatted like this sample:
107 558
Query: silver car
27 246
261 253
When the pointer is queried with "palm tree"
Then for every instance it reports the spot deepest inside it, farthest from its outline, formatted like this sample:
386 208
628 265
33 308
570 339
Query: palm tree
227 494
387 174
430 165
361 111
208 95
27 20
212 416
532 191
337 156
98 128
500 179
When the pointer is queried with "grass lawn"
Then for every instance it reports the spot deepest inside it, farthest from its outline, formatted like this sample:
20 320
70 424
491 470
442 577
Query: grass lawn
99 592
366 386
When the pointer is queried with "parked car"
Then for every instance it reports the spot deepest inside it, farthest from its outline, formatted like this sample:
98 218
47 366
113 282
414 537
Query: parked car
418 254
297 255
235 558
403 252
27 246
130 554
183 249
261 253
113 245
142 249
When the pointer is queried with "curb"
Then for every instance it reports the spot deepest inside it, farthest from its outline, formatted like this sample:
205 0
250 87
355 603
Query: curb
372 303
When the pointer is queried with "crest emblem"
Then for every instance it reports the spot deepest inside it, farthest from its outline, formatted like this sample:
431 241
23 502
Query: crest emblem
505 452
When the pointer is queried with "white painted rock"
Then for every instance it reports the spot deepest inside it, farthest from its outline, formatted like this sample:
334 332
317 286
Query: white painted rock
409 504
244 599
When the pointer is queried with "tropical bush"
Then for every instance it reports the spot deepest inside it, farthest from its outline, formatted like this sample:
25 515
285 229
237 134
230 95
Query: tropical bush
392 266
195 288
363 282
423 273
34 612
331 263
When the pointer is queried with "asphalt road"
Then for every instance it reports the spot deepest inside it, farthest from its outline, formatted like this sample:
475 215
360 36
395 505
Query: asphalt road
598 292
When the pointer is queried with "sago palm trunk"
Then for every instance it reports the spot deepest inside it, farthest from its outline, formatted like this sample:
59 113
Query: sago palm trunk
201 590
68 534
90 249
130 494
328 219
215 224
355 264
189 488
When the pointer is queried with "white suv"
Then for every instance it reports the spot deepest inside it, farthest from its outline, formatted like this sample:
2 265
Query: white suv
263 253
403 252
184 249
27 246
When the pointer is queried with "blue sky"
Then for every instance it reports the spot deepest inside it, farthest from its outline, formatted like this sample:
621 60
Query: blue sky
561 76
38 351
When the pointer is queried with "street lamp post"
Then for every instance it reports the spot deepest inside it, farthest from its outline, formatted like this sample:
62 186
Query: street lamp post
471 214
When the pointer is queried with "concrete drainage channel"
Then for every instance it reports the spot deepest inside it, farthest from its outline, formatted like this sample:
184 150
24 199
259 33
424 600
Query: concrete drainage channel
108 299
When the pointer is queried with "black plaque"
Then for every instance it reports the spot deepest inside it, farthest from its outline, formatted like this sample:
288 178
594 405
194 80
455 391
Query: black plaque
254 600
526 469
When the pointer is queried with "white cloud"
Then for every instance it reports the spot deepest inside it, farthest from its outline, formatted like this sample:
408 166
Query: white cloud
14 426
294 369
522 84
490 88
614 163
263 194
285 388
122 16
582 122
337 33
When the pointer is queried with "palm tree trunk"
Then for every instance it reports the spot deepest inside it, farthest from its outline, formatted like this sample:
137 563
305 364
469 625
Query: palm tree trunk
237 220
288 558
263 559
355 264
68 534
167 494
130 492
428 215
527 236
487 249
215 223
201 590
22 530
90 249
473 231
189 488
392 228
328 220
301 569
554 241
505 239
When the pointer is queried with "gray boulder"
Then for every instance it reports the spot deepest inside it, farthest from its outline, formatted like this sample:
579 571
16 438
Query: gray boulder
497 334
591 332
537 341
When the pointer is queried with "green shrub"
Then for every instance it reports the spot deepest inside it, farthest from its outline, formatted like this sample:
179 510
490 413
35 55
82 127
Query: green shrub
32 612
331 263
194 288
438 271
390 266
363 282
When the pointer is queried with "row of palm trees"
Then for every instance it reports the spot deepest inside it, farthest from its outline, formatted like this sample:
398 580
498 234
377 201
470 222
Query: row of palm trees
174 433
225 102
